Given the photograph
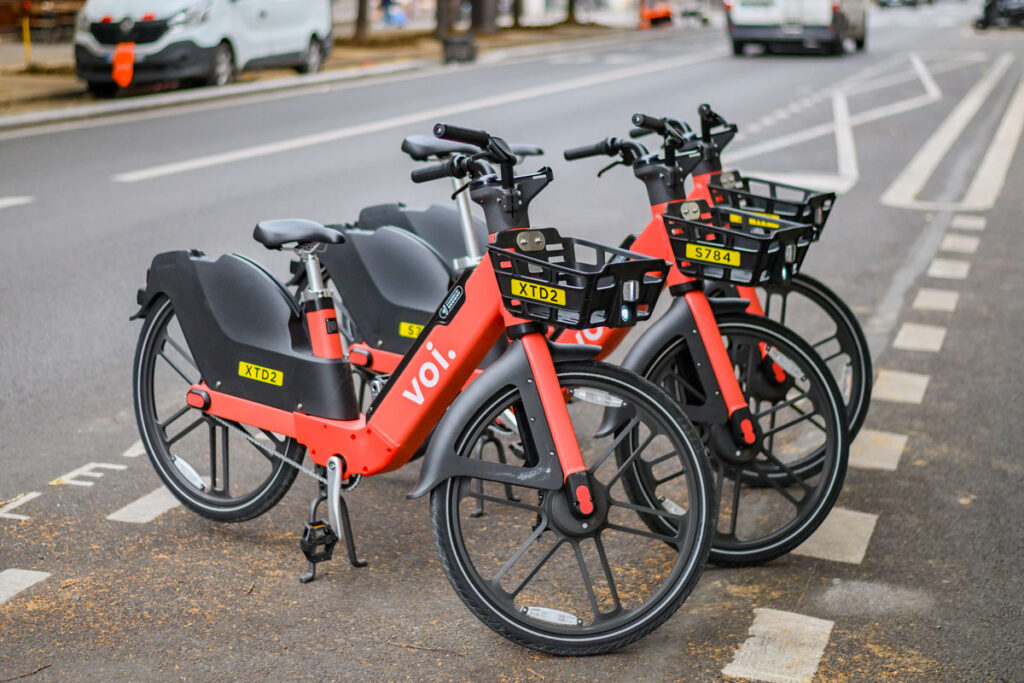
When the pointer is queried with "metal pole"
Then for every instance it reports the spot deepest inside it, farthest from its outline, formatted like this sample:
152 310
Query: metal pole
26 39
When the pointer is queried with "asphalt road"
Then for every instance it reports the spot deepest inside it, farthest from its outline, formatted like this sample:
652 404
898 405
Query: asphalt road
932 588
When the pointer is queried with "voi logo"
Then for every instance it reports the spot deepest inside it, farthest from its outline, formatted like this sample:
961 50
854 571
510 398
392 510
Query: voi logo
591 335
428 375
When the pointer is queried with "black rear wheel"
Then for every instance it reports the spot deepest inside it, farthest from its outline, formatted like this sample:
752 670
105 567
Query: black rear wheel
225 471
537 575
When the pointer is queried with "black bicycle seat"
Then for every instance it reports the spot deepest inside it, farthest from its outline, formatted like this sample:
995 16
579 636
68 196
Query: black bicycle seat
274 233
427 147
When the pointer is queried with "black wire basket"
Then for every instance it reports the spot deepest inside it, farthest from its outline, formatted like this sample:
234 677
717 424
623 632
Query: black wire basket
742 247
774 200
574 283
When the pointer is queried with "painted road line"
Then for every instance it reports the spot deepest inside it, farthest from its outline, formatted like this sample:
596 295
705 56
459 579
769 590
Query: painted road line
87 470
960 244
13 581
966 221
988 181
135 450
16 502
899 387
431 115
875 450
7 202
903 191
944 300
783 647
842 537
949 269
147 508
917 337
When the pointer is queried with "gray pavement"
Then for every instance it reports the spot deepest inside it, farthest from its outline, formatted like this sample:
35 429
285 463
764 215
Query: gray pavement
934 594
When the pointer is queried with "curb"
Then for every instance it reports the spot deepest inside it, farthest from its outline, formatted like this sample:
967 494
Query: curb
172 99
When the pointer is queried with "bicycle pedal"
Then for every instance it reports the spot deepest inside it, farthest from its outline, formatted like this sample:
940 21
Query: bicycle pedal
318 541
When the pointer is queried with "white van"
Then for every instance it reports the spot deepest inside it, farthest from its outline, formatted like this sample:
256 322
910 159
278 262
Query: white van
811 23
206 41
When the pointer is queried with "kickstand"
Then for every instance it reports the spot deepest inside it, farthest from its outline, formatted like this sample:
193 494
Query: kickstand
338 511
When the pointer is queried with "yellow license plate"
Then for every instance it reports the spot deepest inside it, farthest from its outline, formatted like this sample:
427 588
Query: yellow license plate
542 293
410 330
725 257
757 222
260 373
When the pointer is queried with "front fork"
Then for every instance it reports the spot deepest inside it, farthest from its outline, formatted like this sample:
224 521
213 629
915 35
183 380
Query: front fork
574 471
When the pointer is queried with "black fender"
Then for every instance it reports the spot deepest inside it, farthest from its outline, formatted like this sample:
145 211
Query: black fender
511 369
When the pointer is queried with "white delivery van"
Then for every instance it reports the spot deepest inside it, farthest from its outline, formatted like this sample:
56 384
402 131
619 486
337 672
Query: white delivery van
121 42
811 23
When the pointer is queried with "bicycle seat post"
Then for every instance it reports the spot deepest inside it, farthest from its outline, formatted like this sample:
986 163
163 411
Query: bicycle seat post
315 287
473 254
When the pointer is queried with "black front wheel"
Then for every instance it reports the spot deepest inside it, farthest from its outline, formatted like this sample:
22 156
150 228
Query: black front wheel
548 580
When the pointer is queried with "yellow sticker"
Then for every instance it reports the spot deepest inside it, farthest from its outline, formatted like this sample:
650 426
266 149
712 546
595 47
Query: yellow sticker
410 330
756 222
542 293
260 373
725 257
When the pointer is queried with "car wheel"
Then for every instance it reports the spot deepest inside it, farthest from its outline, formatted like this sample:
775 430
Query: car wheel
223 71
101 89
737 47
314 58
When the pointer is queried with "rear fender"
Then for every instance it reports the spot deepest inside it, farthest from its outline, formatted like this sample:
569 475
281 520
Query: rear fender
512 369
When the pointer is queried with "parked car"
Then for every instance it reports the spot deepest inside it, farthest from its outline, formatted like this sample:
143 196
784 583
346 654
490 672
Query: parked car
122 42
811 23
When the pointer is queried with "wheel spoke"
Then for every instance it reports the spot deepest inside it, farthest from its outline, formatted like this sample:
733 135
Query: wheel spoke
533 572
626 463
735 507
199 420
184 409
183 352
213 456
482 497
779 406
628 429
780 488
804 417
588 583
177 369
664 538
675 475
607 568
824 341
225 469
788 470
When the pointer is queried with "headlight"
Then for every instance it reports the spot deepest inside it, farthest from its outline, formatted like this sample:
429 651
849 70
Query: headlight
190 16
82 22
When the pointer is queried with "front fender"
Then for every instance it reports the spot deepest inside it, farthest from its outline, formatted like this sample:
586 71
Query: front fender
441 461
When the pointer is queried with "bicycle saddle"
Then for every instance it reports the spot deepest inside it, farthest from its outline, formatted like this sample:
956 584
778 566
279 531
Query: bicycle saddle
426 147
274 233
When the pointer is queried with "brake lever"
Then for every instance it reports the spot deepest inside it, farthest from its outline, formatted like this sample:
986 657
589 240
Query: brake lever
610 167
460 191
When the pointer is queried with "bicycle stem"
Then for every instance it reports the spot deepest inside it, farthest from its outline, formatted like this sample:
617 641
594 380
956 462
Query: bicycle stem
473 254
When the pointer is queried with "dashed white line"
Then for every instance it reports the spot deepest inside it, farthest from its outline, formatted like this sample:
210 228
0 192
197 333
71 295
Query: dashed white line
960 244
783 647
7 202
899 387
842 537
918 337
966 221
147 508
135 450
876 450
944 300
16 502
949 269
13 581
87 470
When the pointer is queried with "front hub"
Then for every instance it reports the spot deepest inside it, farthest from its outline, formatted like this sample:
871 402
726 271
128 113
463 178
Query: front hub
562 517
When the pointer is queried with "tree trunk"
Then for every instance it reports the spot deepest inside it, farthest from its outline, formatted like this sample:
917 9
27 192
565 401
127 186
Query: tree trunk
485 16
362 20
517 12
570 12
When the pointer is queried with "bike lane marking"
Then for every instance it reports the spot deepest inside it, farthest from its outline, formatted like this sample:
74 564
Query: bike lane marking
14 581
960 244
135 450
783 647
16 502
966 221
7 202
843 537
943 300
147 508
87 470
918 337
949 269
877 450
899 387
436 113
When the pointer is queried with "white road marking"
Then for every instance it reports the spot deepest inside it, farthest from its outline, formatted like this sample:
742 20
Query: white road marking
13 581
147 508
842 537
434 114
783 647
16 502
899 387
949 269
988 181
87 470
961 244
7 202
903 191
917 337
965 221
944 300
875 450
135 450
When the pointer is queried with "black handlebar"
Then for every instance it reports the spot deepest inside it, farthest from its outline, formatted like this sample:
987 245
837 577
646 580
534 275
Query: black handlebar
640 132
597 149
649 123
477 138
433 172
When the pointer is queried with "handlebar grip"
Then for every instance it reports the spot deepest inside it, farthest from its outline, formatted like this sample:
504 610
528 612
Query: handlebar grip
708 115
596 149
648 122
477 138
432 172
640 132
